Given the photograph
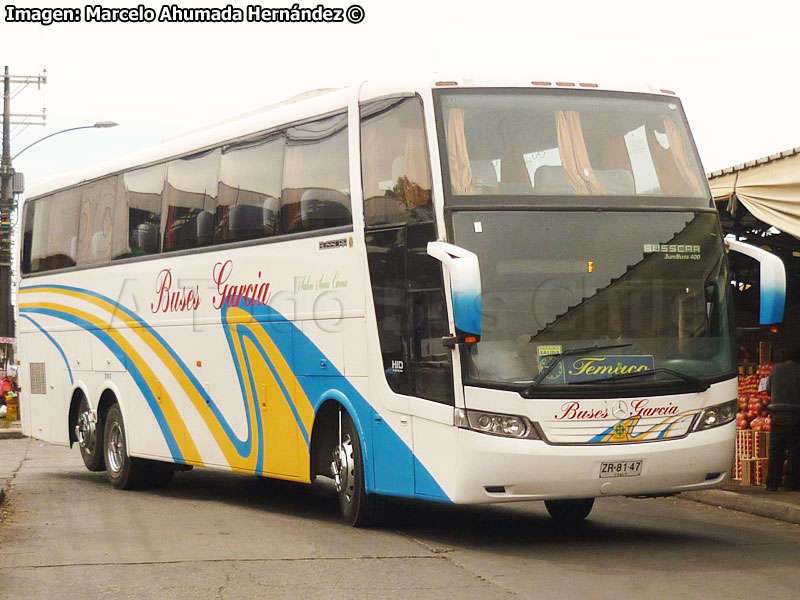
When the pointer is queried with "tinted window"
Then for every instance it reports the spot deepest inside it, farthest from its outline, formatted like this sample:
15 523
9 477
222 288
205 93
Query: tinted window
316 180
647 284
27 236
567 143
248 204
394 163
98 203
143 190
191 201
407 285
282 182
54 242
410 310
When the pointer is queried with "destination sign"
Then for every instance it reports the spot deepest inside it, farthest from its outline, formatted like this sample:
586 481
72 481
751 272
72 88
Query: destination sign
576 369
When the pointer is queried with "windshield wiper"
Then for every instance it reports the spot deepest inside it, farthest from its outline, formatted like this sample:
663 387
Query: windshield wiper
697 383
571 352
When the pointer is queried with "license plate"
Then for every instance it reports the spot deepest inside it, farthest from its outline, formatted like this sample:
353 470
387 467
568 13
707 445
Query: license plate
621 468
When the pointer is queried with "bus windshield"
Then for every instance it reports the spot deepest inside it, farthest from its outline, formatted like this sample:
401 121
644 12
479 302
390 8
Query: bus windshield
561 143
615 293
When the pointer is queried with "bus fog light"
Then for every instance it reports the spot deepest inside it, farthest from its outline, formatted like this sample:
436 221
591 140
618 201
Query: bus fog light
495 423
719 414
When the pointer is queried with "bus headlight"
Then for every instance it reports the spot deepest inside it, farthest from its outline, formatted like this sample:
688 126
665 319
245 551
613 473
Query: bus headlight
495 424
719 414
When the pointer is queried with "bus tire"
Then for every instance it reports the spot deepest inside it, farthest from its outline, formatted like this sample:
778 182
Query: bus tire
571 511
124 471
90 437
347 469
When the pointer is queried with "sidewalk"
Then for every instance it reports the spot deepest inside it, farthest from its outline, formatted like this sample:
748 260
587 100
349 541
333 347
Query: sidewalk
753 499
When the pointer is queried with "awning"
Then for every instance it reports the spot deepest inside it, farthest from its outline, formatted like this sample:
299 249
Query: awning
768 188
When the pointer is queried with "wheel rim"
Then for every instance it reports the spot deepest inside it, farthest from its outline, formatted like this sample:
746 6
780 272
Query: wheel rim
116 447
85 431
343 469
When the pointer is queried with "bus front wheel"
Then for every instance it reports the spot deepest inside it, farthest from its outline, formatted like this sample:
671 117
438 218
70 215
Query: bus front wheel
569 511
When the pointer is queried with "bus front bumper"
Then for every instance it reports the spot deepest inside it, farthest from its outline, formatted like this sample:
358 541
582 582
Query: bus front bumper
497 469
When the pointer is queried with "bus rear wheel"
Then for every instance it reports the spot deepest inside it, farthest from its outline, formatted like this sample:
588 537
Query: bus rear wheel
347 470
569 511
90 438
124 471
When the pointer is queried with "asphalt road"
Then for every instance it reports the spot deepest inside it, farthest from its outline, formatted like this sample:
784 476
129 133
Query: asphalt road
67 534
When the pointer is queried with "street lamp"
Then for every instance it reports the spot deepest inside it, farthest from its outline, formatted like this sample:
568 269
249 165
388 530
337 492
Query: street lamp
98 125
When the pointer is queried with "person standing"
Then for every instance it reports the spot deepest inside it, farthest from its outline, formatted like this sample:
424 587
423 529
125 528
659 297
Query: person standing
783 387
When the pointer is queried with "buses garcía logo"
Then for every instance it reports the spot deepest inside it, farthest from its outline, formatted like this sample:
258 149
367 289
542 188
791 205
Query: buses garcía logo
573 411
172 297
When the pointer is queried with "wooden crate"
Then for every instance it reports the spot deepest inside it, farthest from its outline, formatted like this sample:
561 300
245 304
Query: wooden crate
760 444
744 443
752 456
754 471
744 450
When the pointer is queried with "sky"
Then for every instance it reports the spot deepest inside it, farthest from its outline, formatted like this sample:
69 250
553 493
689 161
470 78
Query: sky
733 64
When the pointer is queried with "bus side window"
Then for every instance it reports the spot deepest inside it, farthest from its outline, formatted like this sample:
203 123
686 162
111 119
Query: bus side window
98 203
143 190
191 201
407 285
316 176
54 240
397 179
249 188
27 235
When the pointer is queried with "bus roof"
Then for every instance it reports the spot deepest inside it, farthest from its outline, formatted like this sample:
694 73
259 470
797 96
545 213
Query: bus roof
308 105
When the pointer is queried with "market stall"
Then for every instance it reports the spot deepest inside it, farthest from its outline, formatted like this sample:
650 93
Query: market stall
759 203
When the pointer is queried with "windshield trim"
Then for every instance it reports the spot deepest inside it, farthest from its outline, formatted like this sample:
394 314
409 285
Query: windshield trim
452 200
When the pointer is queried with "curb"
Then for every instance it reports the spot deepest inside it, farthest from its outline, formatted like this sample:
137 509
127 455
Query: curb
11 434
773 509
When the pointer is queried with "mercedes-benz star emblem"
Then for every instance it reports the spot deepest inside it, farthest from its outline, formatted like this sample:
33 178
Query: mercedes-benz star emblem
620 410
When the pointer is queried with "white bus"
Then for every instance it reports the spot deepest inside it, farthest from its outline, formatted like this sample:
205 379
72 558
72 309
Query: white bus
457 290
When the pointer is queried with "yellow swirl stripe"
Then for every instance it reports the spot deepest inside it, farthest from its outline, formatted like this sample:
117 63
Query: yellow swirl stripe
283 403
247 463
283 368
171 414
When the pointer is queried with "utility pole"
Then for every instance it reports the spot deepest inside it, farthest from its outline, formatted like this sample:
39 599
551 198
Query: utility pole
7 208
